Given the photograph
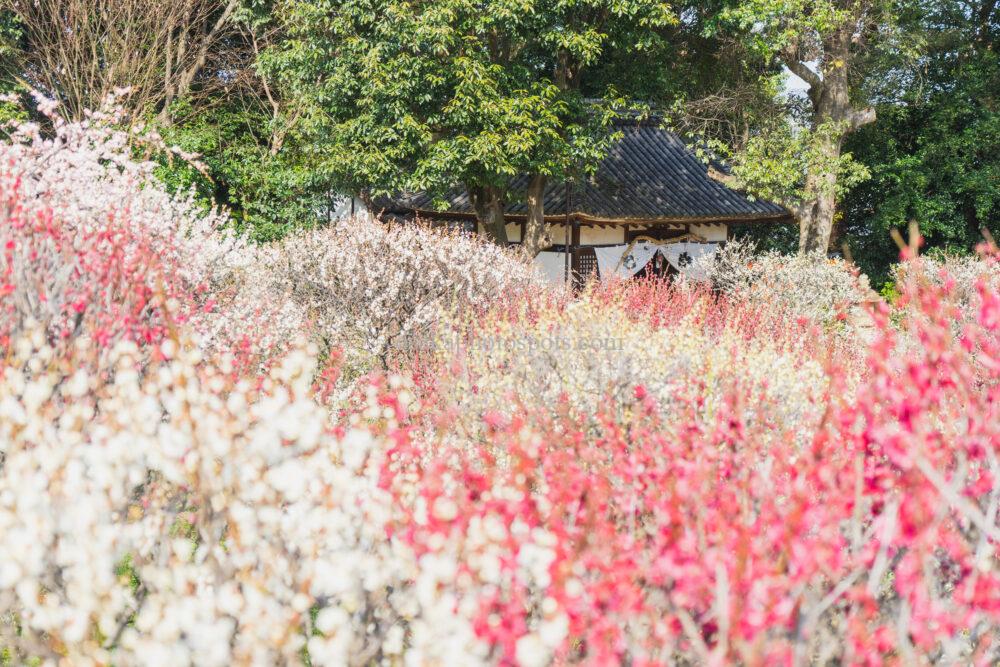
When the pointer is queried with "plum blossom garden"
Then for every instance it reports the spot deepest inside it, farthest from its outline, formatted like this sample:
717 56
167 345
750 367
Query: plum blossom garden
217 452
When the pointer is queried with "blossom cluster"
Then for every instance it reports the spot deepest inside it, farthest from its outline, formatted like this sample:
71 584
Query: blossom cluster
173 486
964 274
372 289
89 234
593 352
92 242
815 286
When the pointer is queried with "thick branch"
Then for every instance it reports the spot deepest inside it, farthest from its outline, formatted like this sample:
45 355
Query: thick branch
803 71
859 117
722 177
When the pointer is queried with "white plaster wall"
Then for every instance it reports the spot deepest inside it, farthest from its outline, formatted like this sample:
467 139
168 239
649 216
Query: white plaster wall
558 234
714 232
343 209
589 235
602 235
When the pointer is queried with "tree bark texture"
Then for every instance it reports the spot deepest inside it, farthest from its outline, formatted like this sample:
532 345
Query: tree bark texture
833 119
487 201
536 233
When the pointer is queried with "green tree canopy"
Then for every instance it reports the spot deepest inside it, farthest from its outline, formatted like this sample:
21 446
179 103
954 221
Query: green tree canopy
934 153
259 165
406 96
845 51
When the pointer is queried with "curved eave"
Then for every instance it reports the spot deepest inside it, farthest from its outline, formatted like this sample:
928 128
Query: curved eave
584 218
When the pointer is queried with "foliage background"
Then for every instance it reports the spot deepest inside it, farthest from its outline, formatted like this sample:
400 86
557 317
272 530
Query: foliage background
271 111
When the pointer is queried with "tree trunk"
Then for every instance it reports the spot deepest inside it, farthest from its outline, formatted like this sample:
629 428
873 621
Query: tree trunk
833 119
536 236
817 211
487 201
973 225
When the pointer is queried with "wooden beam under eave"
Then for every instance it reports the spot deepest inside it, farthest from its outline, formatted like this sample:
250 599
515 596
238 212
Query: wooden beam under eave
583 218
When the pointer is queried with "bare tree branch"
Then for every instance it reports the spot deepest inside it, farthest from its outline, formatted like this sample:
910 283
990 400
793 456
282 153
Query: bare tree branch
79 51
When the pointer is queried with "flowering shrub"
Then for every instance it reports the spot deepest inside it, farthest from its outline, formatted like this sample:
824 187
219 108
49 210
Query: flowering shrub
376 290
93 243
963 274
593 352
812 285
89 229
163 513
643 473
925 431
717 537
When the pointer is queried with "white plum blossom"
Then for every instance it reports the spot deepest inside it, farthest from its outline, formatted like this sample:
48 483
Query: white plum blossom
155 520
812 286
376 289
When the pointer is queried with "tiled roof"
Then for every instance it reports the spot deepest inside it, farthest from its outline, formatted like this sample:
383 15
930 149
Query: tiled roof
650 174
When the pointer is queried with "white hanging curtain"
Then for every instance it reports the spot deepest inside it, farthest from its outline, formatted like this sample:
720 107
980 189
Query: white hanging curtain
690 259
613 260
552 265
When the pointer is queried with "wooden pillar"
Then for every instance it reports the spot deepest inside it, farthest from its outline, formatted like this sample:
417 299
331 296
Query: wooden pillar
566 245
576 253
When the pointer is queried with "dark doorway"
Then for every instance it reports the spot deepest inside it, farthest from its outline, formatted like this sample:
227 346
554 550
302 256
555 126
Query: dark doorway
657 267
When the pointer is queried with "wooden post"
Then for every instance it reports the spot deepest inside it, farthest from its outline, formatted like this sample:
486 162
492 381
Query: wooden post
567 240
576 253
